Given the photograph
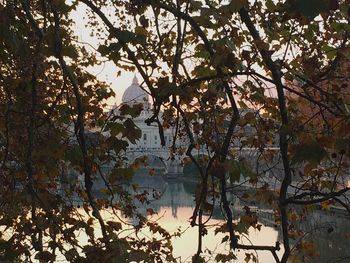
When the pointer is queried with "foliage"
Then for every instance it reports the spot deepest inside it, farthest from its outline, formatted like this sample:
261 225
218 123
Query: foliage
228 75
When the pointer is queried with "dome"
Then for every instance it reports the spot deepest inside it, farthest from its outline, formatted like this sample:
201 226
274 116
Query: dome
134 94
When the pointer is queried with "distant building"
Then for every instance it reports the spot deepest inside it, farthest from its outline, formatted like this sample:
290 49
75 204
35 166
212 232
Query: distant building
150 138
149 145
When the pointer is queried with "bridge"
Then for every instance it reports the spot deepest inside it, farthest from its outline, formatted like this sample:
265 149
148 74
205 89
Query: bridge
159 158
156 158
149 145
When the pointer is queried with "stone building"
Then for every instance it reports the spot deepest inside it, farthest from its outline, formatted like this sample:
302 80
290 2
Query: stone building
149 145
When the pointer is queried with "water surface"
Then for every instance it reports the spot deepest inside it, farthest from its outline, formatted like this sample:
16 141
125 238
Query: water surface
328 229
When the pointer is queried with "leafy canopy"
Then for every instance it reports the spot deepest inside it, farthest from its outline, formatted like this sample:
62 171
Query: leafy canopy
271 76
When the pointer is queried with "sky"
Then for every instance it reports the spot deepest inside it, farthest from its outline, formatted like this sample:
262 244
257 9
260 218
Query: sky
107 71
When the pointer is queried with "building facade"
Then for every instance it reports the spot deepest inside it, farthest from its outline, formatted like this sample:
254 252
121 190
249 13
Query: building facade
149 145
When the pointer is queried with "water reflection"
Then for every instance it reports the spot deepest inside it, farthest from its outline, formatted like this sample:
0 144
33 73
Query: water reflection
327 229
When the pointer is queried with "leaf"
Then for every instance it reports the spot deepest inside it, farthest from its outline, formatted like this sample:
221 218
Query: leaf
45 256
144 21
224 239
126 36
121 173
70 51
115 128
309 247
234 171
90 231
115 225
218 170
141 31
326 205
71 255
106 50
327 185
310 151
270 5
116 144
294 259
137 256
236 5
230 257
132 110
311 8
150 211
203 71
152 172
131 131
241 228
238 168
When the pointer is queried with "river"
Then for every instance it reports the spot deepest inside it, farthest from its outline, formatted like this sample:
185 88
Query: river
328 229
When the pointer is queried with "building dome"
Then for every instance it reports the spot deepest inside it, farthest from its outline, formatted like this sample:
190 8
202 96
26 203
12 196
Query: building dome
134 94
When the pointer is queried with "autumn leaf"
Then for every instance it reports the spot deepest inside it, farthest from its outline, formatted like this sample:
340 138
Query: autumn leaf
150 211
115 225
152 172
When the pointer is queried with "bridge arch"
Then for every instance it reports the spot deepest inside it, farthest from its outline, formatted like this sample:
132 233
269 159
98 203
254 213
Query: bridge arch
149 163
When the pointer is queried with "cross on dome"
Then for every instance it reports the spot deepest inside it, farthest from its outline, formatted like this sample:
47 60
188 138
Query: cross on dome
135 81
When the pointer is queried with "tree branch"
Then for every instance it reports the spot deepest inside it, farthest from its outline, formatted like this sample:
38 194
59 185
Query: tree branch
276 75
80 124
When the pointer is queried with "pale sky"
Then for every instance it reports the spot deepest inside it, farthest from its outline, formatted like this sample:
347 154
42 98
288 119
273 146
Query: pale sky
108 71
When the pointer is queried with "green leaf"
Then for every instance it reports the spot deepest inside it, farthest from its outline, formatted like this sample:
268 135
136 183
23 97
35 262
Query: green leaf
238 168
241 228
270 5
71 255
141 31
121 173
236 5
230 257
131 131
167 88
115 128
330 51
310 151
311 8
106 50
234 171
70 51
138 256
133 110
73 155
126 36
203 71
116 144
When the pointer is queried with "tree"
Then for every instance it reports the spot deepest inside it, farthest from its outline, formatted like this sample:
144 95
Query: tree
202 62
49 102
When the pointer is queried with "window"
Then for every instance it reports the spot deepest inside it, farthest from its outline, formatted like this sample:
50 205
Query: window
144 136
155 137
